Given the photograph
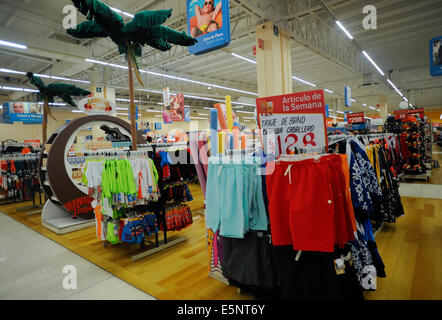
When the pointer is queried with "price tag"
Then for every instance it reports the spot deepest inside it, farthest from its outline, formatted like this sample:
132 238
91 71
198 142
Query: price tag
292 121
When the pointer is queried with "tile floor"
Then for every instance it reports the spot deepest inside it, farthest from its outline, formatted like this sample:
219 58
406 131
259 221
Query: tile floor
416 190
31 268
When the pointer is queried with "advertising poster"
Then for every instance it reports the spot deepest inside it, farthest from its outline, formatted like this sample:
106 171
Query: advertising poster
347 95
97 105
26 112
400 114
436 56
209 22
292 121
173 107
187 114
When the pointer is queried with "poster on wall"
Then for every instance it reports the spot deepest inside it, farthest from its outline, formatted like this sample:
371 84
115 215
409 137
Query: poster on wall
209 22
97 105
25 112
436 56
173 106
292 121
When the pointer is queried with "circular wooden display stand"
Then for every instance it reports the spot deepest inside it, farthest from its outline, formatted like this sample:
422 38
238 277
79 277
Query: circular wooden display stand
58 187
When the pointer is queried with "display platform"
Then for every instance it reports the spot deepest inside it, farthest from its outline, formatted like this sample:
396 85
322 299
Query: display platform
426 176
60 221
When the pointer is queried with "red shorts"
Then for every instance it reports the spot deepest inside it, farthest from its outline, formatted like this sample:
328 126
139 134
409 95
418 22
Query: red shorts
307 204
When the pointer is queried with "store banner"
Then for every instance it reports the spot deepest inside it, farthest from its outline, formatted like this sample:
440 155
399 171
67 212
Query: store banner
292 120
347 95
173 106
209 22
187 114
34 143
418 113
400 114
97 105
436 56
157 125
25 112
327 111
355 117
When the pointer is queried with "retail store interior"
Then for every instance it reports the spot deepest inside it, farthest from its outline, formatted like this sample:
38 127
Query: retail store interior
223 150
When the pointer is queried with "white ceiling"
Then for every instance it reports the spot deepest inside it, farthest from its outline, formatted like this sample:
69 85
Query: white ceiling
400 43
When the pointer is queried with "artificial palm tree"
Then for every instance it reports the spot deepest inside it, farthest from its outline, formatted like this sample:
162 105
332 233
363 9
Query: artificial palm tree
144 28
48 93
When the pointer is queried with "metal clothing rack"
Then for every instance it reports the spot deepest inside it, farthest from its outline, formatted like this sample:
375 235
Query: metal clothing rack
146 148
19 156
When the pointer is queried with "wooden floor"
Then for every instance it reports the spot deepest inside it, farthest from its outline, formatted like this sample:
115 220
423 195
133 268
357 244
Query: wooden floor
411 250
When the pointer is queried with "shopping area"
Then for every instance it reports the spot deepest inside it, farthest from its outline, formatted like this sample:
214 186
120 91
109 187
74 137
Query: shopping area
221 150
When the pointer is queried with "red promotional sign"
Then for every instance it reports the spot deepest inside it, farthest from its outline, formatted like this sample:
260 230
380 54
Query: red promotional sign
400 114
295 120
418 113
260 43
355 117
254 50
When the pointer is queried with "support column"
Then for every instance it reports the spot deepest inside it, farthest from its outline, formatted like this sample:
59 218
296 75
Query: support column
274 66
383 106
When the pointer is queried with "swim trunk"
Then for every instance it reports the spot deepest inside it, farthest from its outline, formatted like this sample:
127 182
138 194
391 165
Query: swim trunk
307 204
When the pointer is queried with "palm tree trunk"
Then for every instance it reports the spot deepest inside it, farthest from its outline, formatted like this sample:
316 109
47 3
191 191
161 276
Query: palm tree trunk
44 124
132 108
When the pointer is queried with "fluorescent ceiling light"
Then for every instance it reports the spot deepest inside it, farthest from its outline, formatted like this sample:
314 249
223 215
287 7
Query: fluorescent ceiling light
156 111
12 88
244 58
158 116
394 87
12 44
336 117
176 78
340 112
54 103
41 75
248 118
343 29
364 104
306 82
203 114
246 112
372 107
353 100
200 118
378 109
405 99
11 71
59 78
77 111
122 114
121 109
372 62
118 66
96 61
329 91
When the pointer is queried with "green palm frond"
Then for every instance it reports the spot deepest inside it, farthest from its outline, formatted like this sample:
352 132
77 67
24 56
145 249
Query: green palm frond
36 81
172 36
143 20
87 29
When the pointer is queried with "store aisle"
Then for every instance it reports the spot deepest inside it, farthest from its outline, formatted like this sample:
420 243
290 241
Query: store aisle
31 267
412 253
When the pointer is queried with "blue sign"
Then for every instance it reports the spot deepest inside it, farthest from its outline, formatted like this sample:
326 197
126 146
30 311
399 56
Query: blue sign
26 112
157 125
209 22
327 112
136 113
186 114
347 93
436 56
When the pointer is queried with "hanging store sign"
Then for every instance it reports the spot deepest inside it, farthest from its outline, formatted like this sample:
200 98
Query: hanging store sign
25 112
209 22
400 114
347 94
173 106
292 121
355 117
418 113
97 105
436 56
